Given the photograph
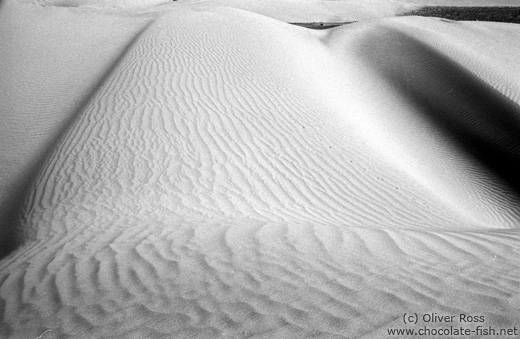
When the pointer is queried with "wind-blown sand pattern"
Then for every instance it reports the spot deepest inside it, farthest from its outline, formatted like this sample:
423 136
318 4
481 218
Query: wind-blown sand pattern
231 175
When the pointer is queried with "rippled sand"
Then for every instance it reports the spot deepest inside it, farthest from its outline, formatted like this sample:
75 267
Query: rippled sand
198 171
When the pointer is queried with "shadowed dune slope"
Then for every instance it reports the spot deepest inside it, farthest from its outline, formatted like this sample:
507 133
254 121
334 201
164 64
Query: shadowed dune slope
236 176
456 97
474 116
52 61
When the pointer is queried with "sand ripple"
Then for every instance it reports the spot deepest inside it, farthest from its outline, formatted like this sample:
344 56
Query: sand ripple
284 184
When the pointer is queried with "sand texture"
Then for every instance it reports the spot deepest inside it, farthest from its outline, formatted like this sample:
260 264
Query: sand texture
201 171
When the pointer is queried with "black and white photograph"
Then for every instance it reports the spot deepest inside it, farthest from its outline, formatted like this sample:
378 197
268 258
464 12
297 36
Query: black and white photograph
259 169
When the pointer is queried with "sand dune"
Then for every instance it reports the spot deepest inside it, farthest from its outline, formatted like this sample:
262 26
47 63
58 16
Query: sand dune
52 62
215 172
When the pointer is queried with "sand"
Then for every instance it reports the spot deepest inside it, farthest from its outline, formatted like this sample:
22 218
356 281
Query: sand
195 170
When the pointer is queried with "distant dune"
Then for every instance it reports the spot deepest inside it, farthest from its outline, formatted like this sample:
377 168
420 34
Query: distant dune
201 171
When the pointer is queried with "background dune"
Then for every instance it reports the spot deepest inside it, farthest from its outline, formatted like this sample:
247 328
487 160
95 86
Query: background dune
194 171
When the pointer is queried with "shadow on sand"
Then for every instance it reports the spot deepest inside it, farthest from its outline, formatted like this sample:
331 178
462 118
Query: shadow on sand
469 112
13 232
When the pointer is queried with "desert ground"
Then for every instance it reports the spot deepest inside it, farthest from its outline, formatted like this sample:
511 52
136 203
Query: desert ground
205 169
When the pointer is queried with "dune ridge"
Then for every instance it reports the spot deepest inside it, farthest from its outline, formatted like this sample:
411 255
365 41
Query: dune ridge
233 175
215 133
43 87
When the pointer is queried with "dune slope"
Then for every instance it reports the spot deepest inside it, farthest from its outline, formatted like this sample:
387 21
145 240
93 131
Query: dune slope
232 175
53 60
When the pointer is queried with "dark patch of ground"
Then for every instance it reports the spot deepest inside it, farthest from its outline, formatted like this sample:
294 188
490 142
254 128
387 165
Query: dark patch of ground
321 25
499 14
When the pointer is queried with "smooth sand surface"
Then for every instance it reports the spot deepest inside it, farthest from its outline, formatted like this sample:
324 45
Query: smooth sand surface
201 171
